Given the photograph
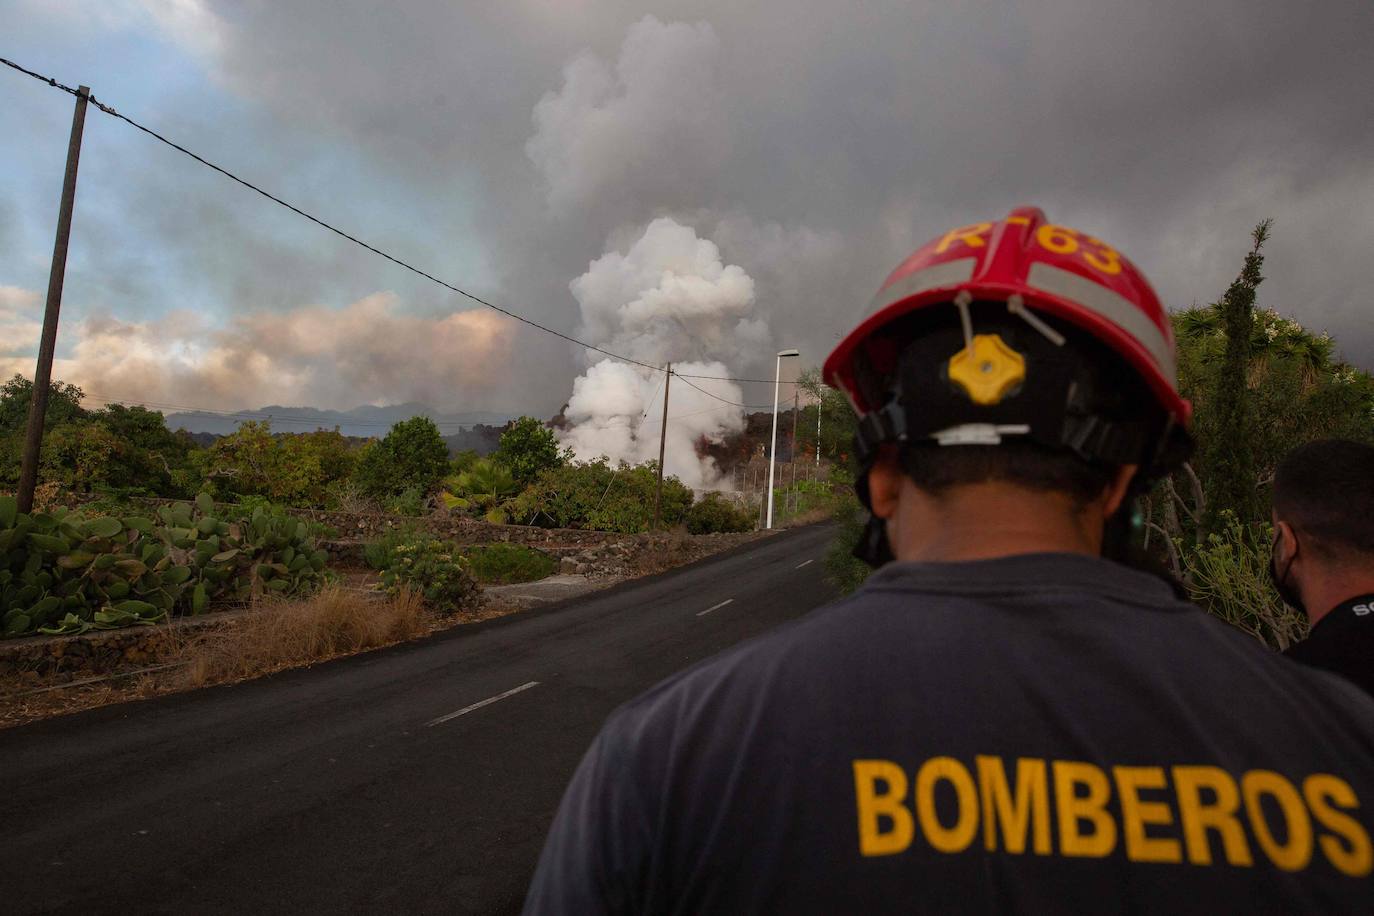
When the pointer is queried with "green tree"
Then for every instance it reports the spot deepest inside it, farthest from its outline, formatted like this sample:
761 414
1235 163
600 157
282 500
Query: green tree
292 468
147 455
78 455
64 405
528 447
596 496
305 464
241 463
838 421
412 456
1230 464
712 514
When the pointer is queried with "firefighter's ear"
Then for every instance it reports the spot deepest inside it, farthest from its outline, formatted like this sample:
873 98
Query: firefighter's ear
885 483
1118 489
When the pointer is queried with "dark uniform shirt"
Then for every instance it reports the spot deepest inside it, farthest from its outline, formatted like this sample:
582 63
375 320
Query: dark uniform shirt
1046 733
1342 642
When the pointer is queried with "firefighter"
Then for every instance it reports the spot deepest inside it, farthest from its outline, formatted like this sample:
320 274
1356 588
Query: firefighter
1005 719
1323 555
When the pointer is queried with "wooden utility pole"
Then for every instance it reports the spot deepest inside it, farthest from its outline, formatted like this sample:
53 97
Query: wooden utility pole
662 441
42 376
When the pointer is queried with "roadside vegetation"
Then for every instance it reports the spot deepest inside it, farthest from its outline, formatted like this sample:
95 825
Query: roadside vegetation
64 573
282 633
136 524
508 564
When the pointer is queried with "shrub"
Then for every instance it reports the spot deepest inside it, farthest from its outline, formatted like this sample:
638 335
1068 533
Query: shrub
377 553
529 447
1228 575
712 514
507 564
432 567
410 502
412 456
846 571
483 488
462 460
596 496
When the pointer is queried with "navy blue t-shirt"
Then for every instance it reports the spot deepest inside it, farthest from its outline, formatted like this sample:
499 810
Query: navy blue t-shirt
1040 733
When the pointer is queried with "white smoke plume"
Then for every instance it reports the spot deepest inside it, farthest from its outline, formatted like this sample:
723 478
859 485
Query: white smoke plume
609 129
669 298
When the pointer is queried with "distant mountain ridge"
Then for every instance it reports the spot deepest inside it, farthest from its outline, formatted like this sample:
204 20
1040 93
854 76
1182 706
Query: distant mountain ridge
365 421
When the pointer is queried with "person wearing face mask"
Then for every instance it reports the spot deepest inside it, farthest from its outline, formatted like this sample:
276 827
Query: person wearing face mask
1323 556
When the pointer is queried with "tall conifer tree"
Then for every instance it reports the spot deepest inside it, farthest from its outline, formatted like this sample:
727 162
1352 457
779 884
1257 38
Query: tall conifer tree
1229 460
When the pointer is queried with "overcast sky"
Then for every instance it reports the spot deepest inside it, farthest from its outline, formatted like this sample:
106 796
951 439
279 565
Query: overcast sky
506 146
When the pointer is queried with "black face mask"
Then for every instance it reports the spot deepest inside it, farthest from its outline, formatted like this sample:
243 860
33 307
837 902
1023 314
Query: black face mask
1286 589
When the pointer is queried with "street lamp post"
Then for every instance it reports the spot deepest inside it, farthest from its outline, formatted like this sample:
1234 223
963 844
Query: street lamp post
773 451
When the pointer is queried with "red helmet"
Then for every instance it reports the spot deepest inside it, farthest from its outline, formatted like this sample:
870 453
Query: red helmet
1052 269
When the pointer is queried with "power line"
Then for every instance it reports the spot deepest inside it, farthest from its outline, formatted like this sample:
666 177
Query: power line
696 413
690 384
653 399
110 110
724 378
40 77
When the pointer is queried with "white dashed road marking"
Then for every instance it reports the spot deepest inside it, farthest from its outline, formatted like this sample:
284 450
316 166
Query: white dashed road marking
715 607
807 563
467 709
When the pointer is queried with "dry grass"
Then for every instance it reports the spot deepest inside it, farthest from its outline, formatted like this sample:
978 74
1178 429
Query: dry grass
280 634
809 517
273 635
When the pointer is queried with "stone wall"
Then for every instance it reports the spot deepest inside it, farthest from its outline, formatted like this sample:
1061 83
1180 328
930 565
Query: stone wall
599 554
97 652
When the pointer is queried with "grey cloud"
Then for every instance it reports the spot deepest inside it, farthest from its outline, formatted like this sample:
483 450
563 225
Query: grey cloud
815 142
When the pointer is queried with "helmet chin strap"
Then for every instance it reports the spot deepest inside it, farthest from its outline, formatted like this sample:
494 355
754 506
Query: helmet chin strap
873 547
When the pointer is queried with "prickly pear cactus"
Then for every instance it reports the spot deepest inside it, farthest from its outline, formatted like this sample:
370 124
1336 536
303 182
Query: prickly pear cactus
61 573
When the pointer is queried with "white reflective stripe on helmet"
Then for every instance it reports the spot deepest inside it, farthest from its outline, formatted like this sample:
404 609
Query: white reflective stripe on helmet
948 273
1109 305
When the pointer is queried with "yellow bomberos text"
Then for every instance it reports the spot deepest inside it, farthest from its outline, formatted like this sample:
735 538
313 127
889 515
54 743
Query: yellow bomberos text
1195 814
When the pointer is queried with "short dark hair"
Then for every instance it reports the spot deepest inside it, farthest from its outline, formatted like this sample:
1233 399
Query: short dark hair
935 469
1325 489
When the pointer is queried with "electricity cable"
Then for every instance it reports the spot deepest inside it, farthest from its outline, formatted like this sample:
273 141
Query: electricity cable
110 110
690 384
725 378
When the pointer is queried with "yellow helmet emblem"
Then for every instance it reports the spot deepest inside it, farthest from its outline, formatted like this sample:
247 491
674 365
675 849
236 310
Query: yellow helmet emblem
987 369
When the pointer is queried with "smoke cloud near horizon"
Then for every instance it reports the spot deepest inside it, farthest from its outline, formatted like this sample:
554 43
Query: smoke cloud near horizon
668 298
369 352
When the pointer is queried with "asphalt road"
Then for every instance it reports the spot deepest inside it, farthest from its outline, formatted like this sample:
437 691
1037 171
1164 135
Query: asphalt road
333 789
